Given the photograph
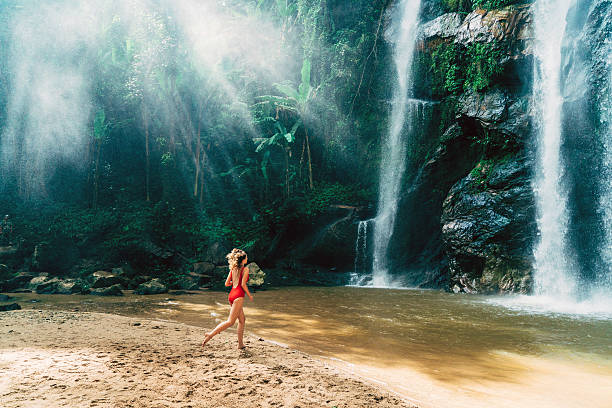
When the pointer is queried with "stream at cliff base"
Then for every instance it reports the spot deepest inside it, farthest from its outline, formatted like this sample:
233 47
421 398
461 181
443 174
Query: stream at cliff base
433 348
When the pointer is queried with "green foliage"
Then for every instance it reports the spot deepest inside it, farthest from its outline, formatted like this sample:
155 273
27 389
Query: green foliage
480 174
212 174
325 195
449 69
493 4
482 65
441 70
457 5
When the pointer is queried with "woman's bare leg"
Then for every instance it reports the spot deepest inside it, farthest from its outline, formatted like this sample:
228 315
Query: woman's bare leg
241 322
234 313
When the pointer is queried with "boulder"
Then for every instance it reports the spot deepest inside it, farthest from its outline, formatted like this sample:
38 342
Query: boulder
152 287
509 24
114 290
201 279
187 283
61 287
12 306
488 108
256 275
137 280
105 279
203 268
445 26
38 280
19 281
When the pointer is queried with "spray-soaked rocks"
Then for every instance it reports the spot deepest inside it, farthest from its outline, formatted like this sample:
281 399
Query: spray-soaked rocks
62 287
12 306
105 279
152 287
256 275
487 228
114 290
18 282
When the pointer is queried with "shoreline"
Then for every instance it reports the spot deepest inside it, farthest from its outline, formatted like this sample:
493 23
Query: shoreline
52 358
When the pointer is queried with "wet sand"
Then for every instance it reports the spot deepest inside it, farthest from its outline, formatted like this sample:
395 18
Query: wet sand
83 359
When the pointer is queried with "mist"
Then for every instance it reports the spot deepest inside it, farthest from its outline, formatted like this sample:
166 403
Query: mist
56 52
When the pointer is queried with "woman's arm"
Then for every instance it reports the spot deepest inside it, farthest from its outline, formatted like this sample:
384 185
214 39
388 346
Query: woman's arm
228 281
245 278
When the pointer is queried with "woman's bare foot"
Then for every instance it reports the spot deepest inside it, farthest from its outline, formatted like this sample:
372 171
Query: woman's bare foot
241 346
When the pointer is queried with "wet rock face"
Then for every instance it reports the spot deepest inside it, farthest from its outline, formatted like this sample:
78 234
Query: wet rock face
105 279
445 26
489 108
12 306
488 221
511 24
61 287
330 242
114 290
19 281
468 219
152 287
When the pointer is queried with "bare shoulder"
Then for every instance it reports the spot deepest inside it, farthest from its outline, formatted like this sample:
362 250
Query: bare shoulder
246 269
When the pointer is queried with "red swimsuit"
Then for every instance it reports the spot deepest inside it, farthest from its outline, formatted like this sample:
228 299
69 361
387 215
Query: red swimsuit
237 292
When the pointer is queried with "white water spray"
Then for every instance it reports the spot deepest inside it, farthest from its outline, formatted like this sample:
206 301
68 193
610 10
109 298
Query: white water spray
361 246
554 273
394 147
604 277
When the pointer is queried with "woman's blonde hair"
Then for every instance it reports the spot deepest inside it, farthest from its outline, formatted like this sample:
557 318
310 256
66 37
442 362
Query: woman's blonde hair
235 258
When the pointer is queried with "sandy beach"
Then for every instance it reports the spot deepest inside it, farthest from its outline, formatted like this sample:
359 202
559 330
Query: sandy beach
81 359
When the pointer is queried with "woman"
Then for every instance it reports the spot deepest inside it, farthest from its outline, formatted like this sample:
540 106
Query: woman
236 278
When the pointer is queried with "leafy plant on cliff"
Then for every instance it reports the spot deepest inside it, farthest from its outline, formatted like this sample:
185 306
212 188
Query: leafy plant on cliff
493 4
481 173
482 65
441 70
457 5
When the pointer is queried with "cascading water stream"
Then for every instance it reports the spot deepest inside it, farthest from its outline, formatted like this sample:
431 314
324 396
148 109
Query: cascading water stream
361 246
394 147
554 273
604 278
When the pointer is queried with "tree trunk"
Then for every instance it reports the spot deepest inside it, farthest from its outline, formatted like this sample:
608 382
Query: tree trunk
147 175
311 184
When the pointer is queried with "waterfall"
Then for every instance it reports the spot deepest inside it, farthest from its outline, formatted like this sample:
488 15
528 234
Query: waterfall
554 274
393 155
604 278
361 247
